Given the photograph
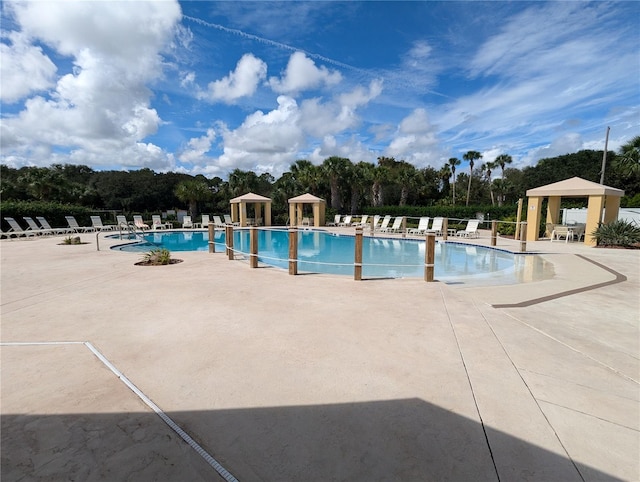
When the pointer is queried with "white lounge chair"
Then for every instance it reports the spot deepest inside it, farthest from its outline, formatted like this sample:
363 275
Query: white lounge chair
227 219
73 224
16 230
335 222
423 225
45 224
122 221
376 221
396 227
156 223
363 221
346 221
471 231
436 227
139 223
33 226
96 221
385 223
204 222
187 223
218 222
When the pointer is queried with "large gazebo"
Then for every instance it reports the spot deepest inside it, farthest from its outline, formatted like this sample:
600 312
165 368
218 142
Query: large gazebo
239 209
602 199
296 206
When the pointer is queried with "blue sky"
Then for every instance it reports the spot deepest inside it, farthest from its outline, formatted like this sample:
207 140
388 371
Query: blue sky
207 87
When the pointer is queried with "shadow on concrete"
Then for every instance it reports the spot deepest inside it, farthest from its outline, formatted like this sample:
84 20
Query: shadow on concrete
396 440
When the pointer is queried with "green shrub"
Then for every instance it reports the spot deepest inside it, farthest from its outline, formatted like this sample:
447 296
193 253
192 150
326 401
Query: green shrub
617 233
157 256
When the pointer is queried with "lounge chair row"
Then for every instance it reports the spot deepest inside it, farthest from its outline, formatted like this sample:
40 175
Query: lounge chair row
381 224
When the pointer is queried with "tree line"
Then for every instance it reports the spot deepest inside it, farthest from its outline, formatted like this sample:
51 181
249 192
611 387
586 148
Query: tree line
348 187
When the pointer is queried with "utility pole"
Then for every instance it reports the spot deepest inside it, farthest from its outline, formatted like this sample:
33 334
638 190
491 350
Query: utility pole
604 156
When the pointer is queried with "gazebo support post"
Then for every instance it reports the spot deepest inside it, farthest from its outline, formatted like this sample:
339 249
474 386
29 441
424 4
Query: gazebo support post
445 229
293 250
357 262
594 217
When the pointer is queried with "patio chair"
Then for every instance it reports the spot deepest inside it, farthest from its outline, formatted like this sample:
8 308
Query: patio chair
156 223
363 221
139 223
306 222
436 227
33 226
385 223
423 225
218 222
346 221
396 227
561 231
376 220
16 230
96 221
73 224
45 224
471 231
204 222
335 222
187 223
227 219
122 221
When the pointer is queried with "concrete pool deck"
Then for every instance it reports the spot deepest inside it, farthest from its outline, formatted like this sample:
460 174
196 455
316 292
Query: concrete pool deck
316 377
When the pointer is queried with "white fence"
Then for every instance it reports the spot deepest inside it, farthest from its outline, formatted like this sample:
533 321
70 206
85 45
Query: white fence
575 215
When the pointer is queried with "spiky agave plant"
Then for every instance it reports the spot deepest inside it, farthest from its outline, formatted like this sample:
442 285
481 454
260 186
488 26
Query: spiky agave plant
617 233
157 256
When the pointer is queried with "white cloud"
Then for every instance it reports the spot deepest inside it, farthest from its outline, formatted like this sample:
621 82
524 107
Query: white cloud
242 82
415 140
24 69
565 144
263 142
350 148
197 147
302 74
101 108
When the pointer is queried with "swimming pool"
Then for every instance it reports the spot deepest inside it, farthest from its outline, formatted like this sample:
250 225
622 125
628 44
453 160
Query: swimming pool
323 252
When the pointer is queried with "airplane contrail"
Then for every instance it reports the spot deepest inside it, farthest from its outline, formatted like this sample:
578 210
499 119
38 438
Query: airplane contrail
274 43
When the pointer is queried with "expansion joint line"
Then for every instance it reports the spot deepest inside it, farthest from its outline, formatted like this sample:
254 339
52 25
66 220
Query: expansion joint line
226 475
473 395
535 400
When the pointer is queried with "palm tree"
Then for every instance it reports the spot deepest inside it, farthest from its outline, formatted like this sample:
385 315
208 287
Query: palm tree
408 179
502 160
487 168
192 192
471 156
444 174
453 162
629 158
361 179
335 168
242 182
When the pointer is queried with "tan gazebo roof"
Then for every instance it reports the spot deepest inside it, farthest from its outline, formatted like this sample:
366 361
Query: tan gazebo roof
575 187
306 198
250 197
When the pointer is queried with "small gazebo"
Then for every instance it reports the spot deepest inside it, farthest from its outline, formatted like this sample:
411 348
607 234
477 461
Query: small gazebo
239 209
601 199
296 206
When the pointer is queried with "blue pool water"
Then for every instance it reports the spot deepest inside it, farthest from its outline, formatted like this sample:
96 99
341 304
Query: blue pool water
322 252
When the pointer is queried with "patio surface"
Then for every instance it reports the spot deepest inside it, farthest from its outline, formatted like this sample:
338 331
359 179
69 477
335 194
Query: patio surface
315 377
